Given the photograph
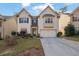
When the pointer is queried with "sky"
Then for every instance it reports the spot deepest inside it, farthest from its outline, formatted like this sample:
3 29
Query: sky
34 9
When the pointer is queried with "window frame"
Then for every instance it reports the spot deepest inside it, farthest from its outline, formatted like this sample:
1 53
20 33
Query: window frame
48 20
23 20
75 18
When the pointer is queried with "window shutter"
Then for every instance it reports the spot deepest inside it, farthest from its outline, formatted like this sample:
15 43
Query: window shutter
27 20
73 18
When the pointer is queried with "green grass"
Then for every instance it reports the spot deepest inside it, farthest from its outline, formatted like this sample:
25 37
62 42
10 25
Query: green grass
23 44
74 38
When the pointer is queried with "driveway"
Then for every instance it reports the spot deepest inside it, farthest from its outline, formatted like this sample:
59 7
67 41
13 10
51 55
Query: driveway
60 47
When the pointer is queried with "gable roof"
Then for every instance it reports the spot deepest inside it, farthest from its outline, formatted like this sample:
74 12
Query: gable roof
22 11
75 10
50 8
5 17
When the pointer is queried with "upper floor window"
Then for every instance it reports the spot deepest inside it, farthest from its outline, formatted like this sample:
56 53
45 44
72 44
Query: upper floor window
75 19
48 20
23 20
34 21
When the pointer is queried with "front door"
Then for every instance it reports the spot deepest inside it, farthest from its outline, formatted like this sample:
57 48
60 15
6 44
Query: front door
34 31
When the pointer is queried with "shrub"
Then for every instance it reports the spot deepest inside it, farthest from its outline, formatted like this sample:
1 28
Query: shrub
34 34
23 33
18 34
30 35
38 35
13 33
10 41
1 38
59 34
69 30
77 33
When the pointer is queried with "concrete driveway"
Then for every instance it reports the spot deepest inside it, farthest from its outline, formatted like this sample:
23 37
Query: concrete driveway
60 47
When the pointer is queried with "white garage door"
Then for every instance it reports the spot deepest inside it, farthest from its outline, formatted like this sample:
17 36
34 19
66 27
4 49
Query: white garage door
48 33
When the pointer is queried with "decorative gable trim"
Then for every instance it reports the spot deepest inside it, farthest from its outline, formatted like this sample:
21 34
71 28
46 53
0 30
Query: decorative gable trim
17 15
50 8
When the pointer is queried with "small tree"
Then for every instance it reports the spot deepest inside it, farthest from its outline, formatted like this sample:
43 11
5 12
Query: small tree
69 30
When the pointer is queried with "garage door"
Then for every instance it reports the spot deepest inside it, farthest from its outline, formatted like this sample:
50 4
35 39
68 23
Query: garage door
48 33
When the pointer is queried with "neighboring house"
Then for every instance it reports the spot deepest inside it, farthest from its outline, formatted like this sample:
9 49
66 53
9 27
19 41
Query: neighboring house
7 25
64 20
75 19
1 25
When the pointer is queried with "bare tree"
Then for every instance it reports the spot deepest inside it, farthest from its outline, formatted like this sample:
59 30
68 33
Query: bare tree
64 9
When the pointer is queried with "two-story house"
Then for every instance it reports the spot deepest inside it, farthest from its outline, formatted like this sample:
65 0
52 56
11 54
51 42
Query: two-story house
48 22
45 24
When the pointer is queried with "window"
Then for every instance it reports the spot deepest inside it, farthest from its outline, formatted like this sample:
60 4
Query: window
23 20
48 20
75 19
34 21
51 20
20 20
27 20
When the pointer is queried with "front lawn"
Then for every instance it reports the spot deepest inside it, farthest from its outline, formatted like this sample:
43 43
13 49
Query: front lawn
22 45
74 38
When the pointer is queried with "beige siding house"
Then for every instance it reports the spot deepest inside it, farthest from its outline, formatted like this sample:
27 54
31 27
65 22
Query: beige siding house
48 23
23 21
9 25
